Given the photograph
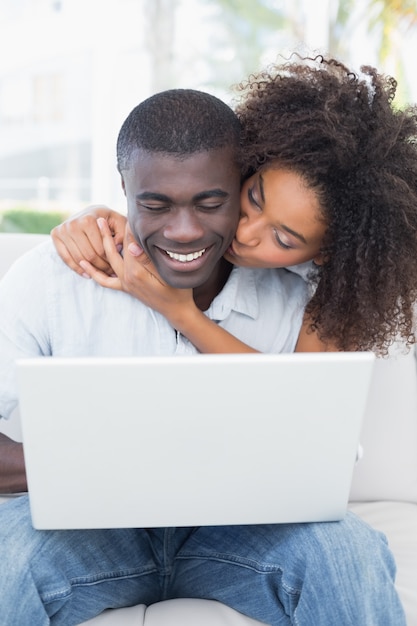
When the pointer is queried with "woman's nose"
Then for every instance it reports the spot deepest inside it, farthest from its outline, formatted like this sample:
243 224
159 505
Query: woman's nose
248 231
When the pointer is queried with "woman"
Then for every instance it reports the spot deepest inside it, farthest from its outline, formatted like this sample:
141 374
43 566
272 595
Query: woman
330 177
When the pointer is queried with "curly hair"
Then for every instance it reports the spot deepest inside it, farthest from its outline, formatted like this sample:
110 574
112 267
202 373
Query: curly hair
340 131
179 122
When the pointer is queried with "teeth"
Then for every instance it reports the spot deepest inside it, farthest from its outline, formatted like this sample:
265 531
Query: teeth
184 258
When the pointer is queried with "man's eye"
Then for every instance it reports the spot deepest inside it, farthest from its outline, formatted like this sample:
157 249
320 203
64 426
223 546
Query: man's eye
209 207
152 207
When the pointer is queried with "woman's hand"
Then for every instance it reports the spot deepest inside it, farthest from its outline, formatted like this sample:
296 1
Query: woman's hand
135 274
79 238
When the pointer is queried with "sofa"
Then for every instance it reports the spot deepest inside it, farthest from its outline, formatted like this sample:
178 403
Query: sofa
383 492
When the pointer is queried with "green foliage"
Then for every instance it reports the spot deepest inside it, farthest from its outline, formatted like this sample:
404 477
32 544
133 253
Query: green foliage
389 23
391 17
247 32
29 221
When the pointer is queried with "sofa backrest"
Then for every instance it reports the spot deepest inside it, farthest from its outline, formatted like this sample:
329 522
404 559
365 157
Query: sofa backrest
388 469
13 245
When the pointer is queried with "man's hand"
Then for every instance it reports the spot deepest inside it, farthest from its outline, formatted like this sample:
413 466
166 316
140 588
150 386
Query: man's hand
79 238
12 466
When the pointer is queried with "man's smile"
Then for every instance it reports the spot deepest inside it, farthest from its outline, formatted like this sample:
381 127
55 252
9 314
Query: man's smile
183 261
185 258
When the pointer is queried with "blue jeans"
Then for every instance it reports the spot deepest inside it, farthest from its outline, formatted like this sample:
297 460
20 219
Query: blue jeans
306 574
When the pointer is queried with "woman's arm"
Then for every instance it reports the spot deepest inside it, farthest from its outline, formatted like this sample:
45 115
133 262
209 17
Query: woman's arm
91 247
209 337
136 275
206 335
309 341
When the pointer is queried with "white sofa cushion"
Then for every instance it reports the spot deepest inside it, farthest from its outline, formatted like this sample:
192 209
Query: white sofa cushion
129 616
178 612
13 245
398 521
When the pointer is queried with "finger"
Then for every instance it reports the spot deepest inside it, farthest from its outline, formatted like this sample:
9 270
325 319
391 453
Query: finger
112 254
144 261
137 251
117 224
143 267
87 237
131 244
65 255
103 279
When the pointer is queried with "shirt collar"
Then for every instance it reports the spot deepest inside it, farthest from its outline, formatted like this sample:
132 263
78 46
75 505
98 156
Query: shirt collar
239 294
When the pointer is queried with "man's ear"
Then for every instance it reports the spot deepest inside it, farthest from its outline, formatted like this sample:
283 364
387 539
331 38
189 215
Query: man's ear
123 183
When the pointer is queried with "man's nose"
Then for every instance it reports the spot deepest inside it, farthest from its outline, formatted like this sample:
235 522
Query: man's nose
184 226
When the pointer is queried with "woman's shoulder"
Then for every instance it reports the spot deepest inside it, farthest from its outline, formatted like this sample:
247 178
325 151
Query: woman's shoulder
305 270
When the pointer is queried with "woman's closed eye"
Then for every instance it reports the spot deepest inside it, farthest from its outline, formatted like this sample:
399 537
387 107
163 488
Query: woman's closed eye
252 199
283 244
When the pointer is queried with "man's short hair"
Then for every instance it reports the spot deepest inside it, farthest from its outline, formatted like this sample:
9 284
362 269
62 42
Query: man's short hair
178 122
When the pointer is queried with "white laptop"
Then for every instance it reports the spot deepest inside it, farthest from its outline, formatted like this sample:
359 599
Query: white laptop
191 440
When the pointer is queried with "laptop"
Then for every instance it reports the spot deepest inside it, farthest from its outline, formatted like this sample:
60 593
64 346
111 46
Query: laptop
191 440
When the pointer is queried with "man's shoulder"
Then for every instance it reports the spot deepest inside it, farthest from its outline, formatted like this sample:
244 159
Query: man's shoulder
268 289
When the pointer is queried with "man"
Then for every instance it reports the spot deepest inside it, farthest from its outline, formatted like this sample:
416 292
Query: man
178 160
